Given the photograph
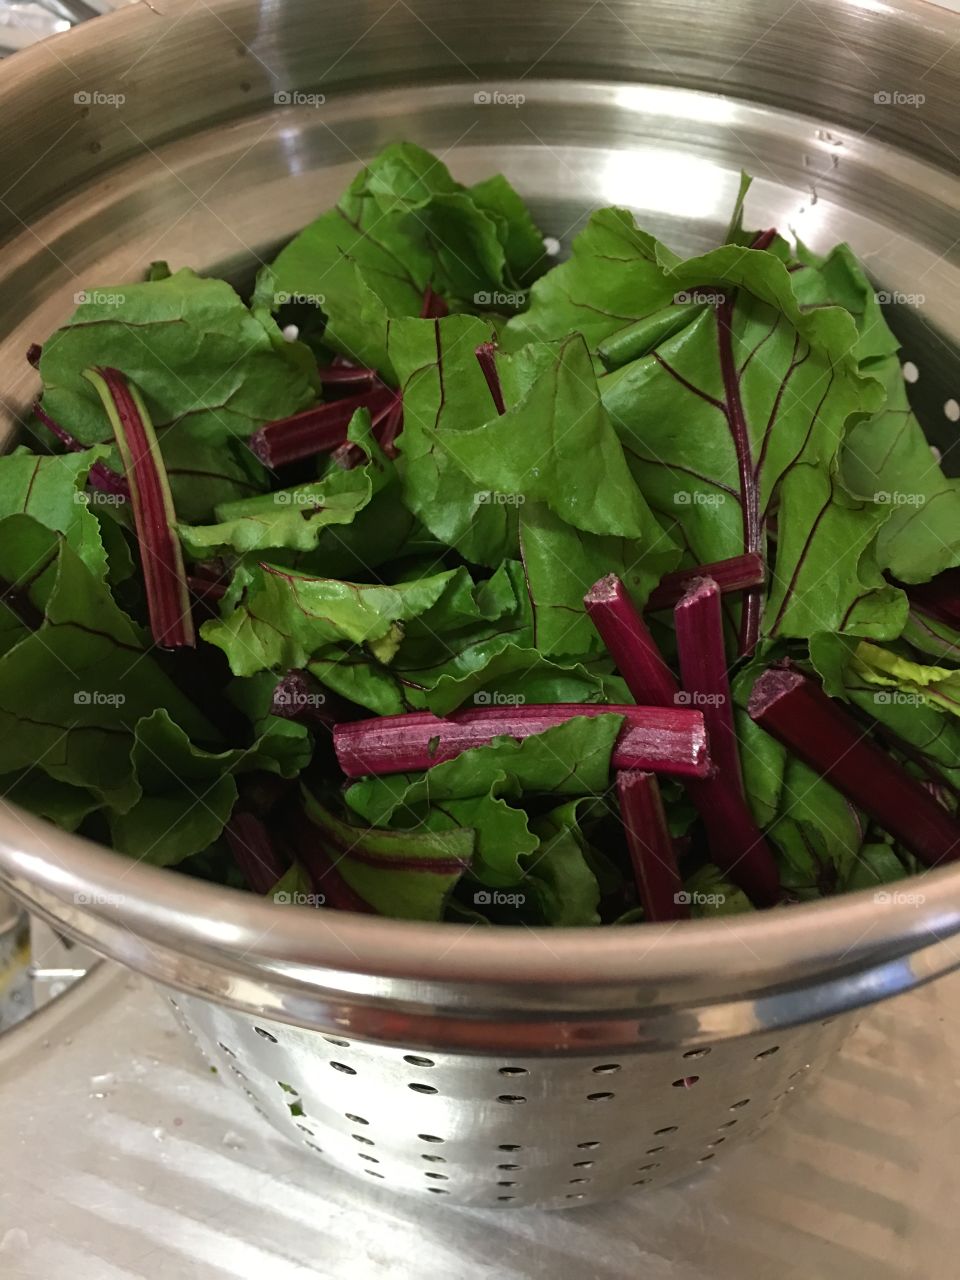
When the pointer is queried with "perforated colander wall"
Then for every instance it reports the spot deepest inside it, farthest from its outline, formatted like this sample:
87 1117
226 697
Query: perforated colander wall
551 1131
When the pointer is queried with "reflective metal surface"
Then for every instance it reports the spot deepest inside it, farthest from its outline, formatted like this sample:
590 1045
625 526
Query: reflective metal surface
211 159
133 1162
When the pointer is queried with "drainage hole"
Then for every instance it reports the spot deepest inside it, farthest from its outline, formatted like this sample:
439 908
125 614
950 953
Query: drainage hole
510 1097
737 1105
422 1088
430 1137
261 1031
583 1164
342 1066
512 1071
509 1146
685 1082
356 1119
509 1166
434 1159
767 1053
367 1142
440 1177
341 1044
670 1128
696 1053
588 1146
606 1069
600 1097
416 1061
371 1159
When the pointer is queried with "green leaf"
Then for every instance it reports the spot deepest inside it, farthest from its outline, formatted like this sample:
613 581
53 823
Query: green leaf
713 895
53 491
877 864
402 224
818 833
72 691
404 874
284 618
936 686
197 354
562 880
501 835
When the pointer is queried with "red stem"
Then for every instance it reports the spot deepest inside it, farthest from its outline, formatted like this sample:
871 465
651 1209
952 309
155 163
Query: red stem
651 848
434 307
100 476
347 375
161 558
764 239
794 710
319 429
734 574
254 852
939 598
736 842
658 739
630 644
307 840
485 354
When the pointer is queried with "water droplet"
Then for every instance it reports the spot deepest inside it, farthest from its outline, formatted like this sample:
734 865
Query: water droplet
233 1140
551 246
291 332
910 371
159 1134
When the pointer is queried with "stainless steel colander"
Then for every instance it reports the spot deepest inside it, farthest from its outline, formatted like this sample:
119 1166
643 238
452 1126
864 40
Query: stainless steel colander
493 1066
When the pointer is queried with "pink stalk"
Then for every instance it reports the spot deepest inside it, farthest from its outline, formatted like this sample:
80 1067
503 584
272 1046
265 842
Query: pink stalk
939 598
630 644
317 430
347 375
658 739
651 848
485 354
795 710
254 851
735 574
307 840
736 843
168 599
205 589
434 307
764 239
391 428
100 476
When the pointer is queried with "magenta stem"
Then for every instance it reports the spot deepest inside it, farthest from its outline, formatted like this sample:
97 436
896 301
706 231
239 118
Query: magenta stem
795 710
630 644
486 356
651 848
100 476
254 851
733 574
657 739
319 429
434 307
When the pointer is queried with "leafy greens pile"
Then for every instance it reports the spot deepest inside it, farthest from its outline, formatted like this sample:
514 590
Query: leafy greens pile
295 588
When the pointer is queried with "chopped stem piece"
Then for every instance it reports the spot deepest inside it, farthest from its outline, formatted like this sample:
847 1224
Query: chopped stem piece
254 851
658 739
168 598
796 711
735 574
651 848
630 644
736 842
486 355
317 430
